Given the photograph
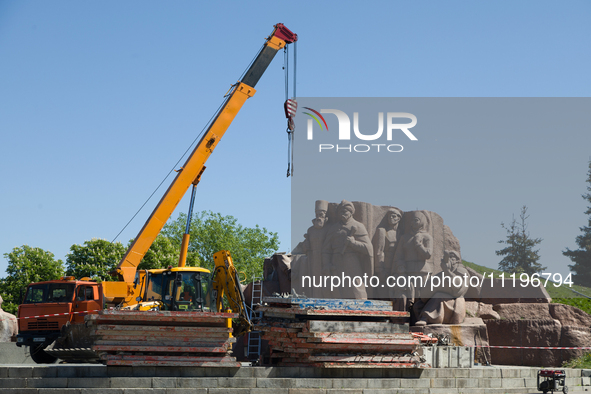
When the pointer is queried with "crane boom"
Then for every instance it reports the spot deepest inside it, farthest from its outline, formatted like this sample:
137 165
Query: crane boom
244 89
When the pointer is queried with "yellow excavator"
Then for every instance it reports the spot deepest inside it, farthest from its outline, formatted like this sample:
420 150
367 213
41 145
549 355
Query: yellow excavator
194 289
173 289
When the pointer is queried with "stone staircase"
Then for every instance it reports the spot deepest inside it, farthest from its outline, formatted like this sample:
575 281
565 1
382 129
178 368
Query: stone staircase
95 379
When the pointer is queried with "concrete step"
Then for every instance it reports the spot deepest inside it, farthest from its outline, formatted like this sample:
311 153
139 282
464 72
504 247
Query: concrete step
89 379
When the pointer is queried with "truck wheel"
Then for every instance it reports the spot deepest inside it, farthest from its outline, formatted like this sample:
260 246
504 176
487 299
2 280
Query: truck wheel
40 357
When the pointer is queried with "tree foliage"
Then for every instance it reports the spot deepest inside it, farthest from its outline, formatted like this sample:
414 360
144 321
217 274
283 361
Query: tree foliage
212 232
163 253
27 265
582 257
519 253
95 259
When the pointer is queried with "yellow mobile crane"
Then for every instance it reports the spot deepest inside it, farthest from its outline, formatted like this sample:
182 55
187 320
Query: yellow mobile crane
124 290
166 289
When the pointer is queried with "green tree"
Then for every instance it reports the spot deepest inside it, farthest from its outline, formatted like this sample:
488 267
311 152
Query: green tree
95 259
519 253
212 232
582 256
164 252
27 265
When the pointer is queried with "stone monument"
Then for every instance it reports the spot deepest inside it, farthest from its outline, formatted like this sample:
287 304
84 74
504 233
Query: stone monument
355 241
8 325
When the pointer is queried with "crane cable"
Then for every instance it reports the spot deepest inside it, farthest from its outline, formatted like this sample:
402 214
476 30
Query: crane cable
290 106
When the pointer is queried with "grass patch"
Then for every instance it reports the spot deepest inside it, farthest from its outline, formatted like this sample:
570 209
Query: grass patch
580 362
556 292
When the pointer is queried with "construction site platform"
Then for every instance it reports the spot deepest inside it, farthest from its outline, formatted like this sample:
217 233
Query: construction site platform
91 379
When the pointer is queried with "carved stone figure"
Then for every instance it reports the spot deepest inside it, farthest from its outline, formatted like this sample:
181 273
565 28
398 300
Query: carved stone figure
447 305
312 245
347 251
384 242
8 324
416 247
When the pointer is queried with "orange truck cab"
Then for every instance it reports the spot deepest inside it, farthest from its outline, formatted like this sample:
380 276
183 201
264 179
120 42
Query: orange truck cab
48 306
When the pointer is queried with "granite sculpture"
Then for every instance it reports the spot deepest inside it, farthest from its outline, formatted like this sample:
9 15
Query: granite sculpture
8 325
359 240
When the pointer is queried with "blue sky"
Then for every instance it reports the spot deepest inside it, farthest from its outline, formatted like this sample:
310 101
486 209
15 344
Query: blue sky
98 100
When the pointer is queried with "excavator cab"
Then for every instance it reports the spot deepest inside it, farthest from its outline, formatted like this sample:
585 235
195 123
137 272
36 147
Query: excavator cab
180 289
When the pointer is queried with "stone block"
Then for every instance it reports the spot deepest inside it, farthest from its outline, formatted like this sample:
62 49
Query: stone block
443 373
228 390
172 371
220 372
373 373
490 372
74 371
165 382
443 391
144 371
393 373
349 383
313 383
197 382
510 373
99 391
8 383
529 372
525 333
329 373
275 382
88 383
574 336
141 391
131 383
411 373
237 382
472 390
512 382
570 315
398 391
466 382
489 383
20 372
185 391
258 390
306 391
192 372
486 311
43 372
20 391
443 382
383 383
415 383
58 391
47 382
532 311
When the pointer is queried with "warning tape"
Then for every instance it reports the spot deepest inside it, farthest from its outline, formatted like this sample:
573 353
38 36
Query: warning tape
536 347
59 314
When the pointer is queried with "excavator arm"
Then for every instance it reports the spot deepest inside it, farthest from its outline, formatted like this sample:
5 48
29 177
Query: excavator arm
226 282
126 270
